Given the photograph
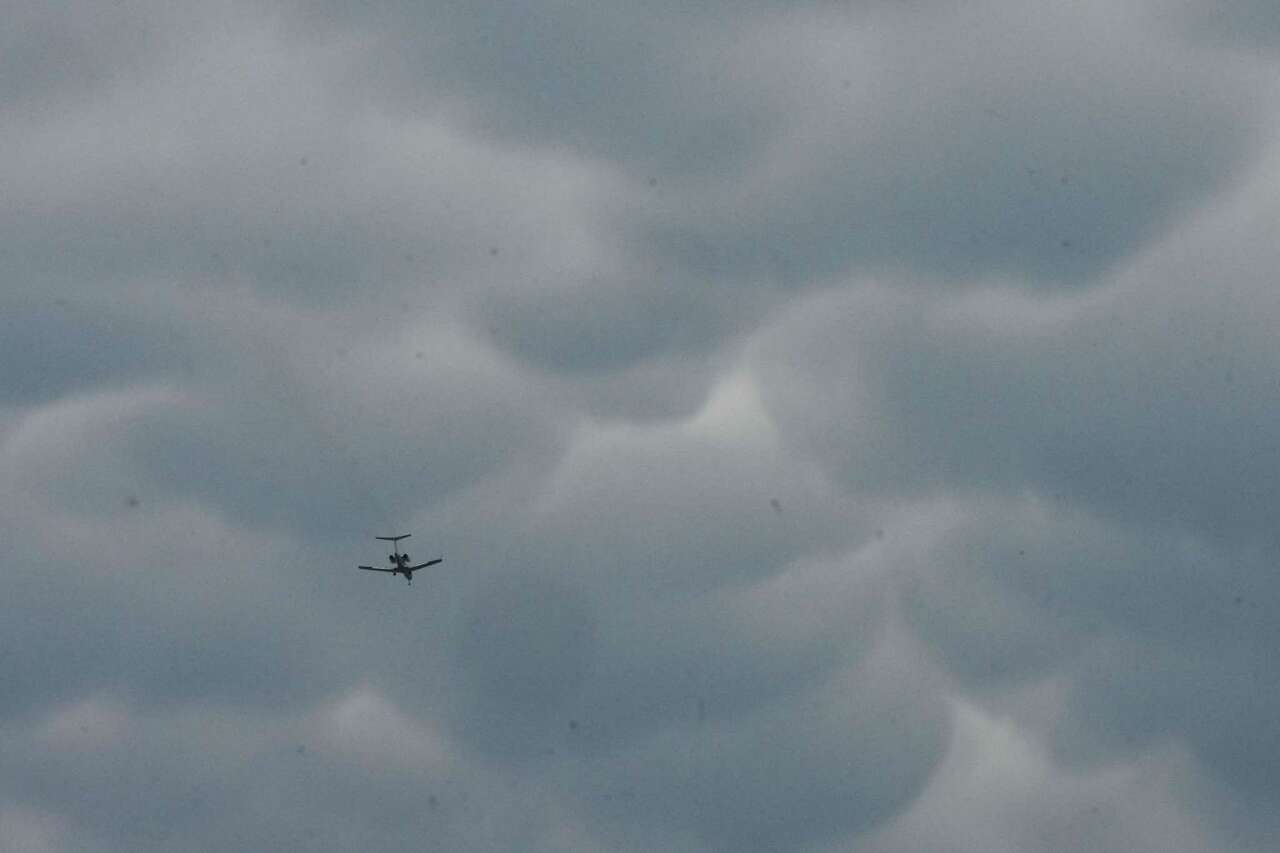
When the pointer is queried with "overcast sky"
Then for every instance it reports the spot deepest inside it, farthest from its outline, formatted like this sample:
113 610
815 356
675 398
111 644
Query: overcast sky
847 426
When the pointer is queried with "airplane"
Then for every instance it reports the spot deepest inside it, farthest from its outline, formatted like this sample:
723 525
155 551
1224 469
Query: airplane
399 561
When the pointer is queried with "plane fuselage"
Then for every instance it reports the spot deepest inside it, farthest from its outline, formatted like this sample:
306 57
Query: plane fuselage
402 566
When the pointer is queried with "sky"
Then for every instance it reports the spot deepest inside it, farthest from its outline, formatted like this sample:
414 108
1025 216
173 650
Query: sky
846 426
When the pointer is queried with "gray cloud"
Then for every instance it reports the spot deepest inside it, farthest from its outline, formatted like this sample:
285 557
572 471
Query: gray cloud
1244 23
843 425
990 142
76 52
1143 401
835 760
1109 484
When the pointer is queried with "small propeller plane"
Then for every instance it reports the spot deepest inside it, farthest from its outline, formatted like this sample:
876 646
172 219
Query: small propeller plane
400 562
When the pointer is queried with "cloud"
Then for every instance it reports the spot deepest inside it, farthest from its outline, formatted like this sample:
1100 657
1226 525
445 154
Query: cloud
1142 400
1241 23
38 832
841 424
822 763
995 141
1000 791
1107 484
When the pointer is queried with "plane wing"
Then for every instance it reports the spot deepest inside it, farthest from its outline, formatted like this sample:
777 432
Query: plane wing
373 569
427 563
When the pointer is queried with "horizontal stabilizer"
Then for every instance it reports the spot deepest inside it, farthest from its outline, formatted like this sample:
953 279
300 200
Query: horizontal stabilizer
393 538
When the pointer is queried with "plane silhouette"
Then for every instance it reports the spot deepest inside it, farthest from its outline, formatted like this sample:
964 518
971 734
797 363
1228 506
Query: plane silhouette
400 562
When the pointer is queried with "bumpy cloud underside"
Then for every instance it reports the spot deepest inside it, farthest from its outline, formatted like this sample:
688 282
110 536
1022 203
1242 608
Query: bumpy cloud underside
846 426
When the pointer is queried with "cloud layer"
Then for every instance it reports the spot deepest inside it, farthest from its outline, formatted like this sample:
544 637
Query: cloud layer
845 425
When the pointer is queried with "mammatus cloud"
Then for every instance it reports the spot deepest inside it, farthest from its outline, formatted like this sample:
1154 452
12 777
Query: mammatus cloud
843 426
